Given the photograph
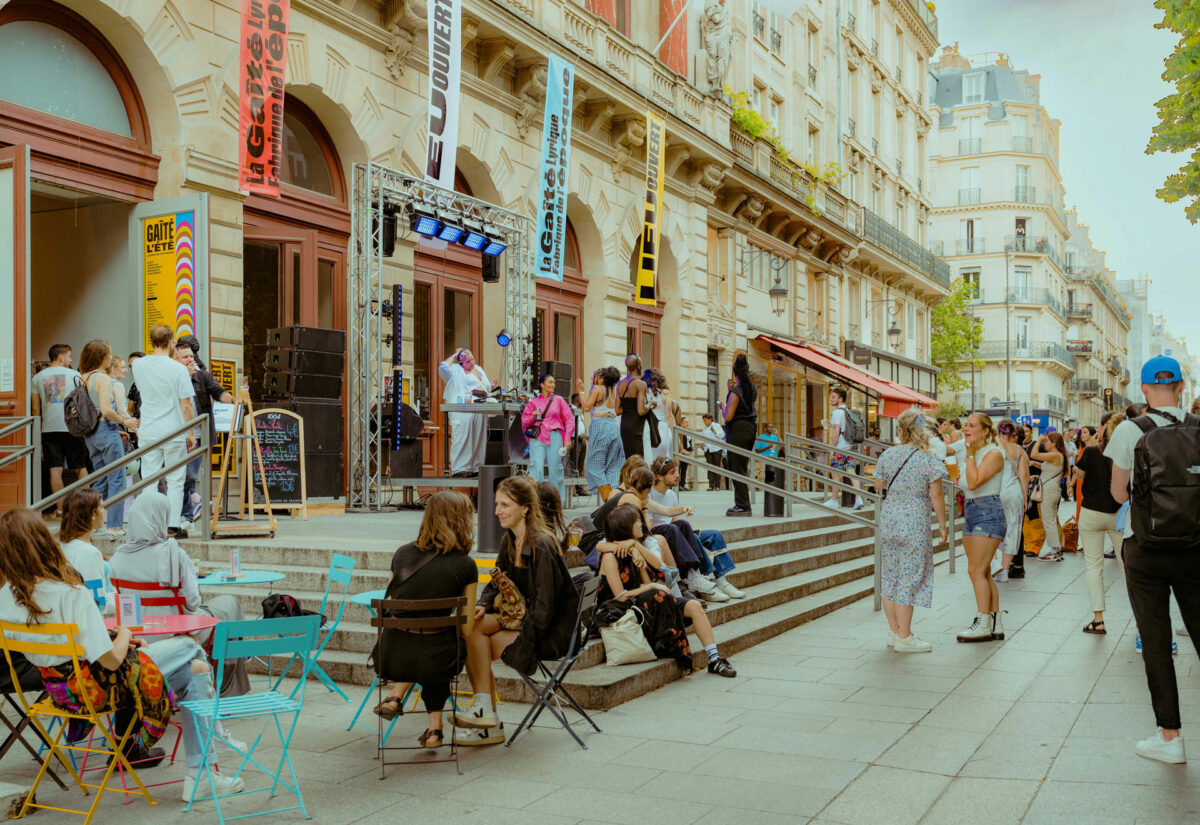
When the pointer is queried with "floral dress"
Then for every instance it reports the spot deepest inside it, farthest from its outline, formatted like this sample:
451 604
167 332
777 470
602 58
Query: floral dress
664 626
905 524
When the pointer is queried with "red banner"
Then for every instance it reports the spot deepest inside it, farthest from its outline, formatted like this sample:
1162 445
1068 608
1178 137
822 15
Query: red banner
260 123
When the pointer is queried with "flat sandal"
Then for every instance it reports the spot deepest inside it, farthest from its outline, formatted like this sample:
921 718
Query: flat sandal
430 733
1095 627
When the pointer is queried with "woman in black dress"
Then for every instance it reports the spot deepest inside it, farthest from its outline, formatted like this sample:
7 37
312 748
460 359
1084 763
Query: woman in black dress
435 566
631 395
741 428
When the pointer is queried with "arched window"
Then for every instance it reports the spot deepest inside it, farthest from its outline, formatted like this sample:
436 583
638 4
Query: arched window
312 162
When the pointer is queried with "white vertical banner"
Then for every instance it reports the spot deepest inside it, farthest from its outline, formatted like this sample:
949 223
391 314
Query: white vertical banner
555 170
445 90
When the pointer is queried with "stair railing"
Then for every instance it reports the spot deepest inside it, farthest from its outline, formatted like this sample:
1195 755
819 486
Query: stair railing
29 449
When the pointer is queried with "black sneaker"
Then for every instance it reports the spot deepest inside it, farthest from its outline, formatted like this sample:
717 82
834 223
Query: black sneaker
735 512
1111 554
1015 572
721 667
177 532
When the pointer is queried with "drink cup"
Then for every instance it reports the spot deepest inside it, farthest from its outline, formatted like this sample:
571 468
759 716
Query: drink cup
575 534
952 467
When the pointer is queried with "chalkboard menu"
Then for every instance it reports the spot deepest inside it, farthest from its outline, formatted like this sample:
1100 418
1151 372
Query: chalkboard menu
281 440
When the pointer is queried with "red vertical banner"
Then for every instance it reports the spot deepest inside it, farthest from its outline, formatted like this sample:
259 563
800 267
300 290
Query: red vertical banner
263 49
604 8
674 52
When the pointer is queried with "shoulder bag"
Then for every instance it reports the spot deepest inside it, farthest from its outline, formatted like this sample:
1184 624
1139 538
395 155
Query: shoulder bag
624 641
509 604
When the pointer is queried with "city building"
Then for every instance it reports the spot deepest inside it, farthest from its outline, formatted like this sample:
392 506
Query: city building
763 244
998 219
1136 293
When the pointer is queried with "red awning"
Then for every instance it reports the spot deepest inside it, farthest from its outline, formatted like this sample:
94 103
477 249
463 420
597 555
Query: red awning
894 398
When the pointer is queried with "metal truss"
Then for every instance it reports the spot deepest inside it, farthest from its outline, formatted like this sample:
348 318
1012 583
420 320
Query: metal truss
376 189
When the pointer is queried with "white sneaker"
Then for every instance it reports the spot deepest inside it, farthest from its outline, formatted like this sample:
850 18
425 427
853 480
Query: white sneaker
478 715
237 744
480 736
224 785
1047 554
1001 575
980 630
831 502
717 595
702 586
858 504
1182 631
911 645
891 642
1158 748
729 590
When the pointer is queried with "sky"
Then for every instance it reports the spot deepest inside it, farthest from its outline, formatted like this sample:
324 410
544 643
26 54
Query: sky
1101 67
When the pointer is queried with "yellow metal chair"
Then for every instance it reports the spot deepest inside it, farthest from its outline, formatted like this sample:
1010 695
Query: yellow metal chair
98 716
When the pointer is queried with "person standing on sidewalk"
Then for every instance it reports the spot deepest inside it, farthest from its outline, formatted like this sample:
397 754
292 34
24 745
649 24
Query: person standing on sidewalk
842 439
741 420
910 477
168 402
1098 517
985 525
1159 451
1052 452
51 387
1013 485
548 424
104 443
713 454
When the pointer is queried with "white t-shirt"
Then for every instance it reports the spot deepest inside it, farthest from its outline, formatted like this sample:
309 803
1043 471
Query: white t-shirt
88 561
163 382
938 447
66 603
839 420
667 499
53 385
1123 442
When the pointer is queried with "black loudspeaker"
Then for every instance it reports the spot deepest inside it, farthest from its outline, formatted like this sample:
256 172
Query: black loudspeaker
306 361
562 377
389 228
496 451
404 459
323 475
323 423
317 339
491 269
291 384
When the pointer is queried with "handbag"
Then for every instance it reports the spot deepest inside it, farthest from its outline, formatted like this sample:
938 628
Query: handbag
1070 536
624 641
509 603
1035 489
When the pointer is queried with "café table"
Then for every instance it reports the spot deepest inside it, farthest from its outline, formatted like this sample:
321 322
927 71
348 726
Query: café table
169 625
247 577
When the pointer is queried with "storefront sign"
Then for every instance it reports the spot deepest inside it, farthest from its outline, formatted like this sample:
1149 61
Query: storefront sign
168 279
656 146
861 356
445 81
260 93
555 169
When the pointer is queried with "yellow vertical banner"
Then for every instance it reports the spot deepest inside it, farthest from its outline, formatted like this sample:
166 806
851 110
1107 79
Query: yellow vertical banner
168 274
656 145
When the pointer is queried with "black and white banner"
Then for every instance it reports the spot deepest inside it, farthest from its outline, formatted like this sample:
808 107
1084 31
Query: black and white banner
555 169
445 90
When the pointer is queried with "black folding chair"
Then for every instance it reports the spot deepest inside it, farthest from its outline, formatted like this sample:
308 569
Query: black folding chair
30 682
383 618
551 693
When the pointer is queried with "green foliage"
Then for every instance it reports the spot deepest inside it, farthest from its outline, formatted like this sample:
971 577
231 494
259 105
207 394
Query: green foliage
954 337
950 409
750 120
1178 128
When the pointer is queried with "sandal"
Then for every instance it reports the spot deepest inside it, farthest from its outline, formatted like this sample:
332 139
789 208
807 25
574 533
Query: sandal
1095 627
431 739
389 708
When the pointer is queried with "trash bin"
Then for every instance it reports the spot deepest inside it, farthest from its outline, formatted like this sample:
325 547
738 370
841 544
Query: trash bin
772 503
490 532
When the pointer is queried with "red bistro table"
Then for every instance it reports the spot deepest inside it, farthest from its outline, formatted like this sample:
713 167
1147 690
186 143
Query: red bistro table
171 625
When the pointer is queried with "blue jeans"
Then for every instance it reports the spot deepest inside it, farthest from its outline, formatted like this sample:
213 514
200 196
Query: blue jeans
104 448
714 544
541 454
174 658
189 486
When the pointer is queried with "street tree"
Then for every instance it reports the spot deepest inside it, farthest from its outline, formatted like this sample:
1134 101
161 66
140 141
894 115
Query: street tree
1178 128
954 337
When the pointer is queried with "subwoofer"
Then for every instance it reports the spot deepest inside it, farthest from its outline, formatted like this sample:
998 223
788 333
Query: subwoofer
562 373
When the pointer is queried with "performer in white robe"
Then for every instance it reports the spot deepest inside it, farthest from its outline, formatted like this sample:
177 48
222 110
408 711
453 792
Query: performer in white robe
468 431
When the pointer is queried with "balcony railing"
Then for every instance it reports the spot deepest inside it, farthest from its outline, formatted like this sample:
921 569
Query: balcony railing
1056 404
883 234
875 146
1035 350
968 196
874 47
1022 144
970 246
760 25
970 146
1083 347
1079 312
812 75
1098 278
1032 244
1114 365
1041 297
1025 194
1084 386
899 168
851 21
1125 374
776 42
899 75
851 127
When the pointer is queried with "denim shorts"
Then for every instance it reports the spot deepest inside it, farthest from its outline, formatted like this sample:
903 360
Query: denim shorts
985 518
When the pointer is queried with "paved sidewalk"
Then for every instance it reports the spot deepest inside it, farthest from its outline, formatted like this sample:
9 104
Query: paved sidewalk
822 725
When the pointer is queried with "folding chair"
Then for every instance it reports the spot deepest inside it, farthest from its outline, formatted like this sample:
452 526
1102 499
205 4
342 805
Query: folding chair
456 621
72 651
295 636
174 600
547 695
30 681
341 569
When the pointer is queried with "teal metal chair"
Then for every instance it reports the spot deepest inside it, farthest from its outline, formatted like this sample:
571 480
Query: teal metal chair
295 637
341 570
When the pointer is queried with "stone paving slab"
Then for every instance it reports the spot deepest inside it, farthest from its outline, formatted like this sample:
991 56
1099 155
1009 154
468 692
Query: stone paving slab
822 725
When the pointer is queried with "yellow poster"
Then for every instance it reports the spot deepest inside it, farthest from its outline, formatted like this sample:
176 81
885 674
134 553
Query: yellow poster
168 283
225 373
656 145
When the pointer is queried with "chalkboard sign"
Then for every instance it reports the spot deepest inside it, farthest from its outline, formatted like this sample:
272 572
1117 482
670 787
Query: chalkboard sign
281 442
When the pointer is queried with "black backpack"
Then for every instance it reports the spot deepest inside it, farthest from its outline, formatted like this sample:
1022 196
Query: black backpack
79 412
282 606
856 431
1165 504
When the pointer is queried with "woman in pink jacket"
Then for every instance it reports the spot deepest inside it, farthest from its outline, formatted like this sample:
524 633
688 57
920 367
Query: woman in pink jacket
549 425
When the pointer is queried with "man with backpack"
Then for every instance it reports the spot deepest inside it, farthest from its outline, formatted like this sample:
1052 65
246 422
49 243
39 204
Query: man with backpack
847 431
1159 452
51 387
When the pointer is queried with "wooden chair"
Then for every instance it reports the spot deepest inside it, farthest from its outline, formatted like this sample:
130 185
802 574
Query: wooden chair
99 717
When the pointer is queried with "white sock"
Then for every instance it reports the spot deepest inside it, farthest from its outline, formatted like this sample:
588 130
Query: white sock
721 580
483 699
691 577
711 650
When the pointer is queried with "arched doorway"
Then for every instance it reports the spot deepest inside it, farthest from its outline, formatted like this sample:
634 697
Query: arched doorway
643 323
558 322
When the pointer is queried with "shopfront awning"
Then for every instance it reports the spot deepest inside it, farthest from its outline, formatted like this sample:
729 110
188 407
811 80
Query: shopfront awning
894 398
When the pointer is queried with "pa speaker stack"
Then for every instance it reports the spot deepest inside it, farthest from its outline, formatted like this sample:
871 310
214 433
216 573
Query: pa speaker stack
304 373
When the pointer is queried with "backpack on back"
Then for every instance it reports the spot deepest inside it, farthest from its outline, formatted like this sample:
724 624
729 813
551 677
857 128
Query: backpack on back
80 412
1166 483
856 431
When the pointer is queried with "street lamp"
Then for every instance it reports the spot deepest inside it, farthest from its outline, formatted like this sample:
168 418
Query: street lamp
778 291
894 332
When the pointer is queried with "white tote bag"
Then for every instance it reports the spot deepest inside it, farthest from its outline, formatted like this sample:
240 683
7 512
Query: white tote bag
624 642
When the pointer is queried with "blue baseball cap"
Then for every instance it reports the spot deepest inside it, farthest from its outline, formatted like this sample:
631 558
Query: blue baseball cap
1161 363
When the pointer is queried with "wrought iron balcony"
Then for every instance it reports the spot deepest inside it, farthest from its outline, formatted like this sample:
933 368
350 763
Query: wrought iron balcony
1114 365
776 42
874 47
851 21
851 127
879 232
760 25
1125 374
1032 244
968 196
875 146
1035 296
1082 347
970 146
1027 350
899 168
1025 194
970 246
1022 144
812 75
1079 312
1056 404
899 74
1084 386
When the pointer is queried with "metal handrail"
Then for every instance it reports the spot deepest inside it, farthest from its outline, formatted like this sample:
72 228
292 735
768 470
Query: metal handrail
204 480
30 451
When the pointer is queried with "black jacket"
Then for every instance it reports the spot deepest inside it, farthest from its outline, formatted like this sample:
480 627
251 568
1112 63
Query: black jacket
551 604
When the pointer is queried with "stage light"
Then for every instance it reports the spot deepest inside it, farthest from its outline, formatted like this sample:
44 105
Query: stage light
450 233
504 339
494 248
473 240
424 222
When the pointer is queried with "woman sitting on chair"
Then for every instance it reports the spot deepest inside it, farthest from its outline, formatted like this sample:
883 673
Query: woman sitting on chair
83 513
531 559
435 566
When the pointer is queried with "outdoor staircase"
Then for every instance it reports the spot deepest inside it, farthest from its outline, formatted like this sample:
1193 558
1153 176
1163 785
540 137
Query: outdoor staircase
793 570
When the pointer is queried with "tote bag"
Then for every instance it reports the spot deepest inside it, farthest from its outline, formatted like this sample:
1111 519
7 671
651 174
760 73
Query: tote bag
624 642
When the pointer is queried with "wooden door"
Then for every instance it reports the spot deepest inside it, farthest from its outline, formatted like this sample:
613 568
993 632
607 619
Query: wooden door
14 317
